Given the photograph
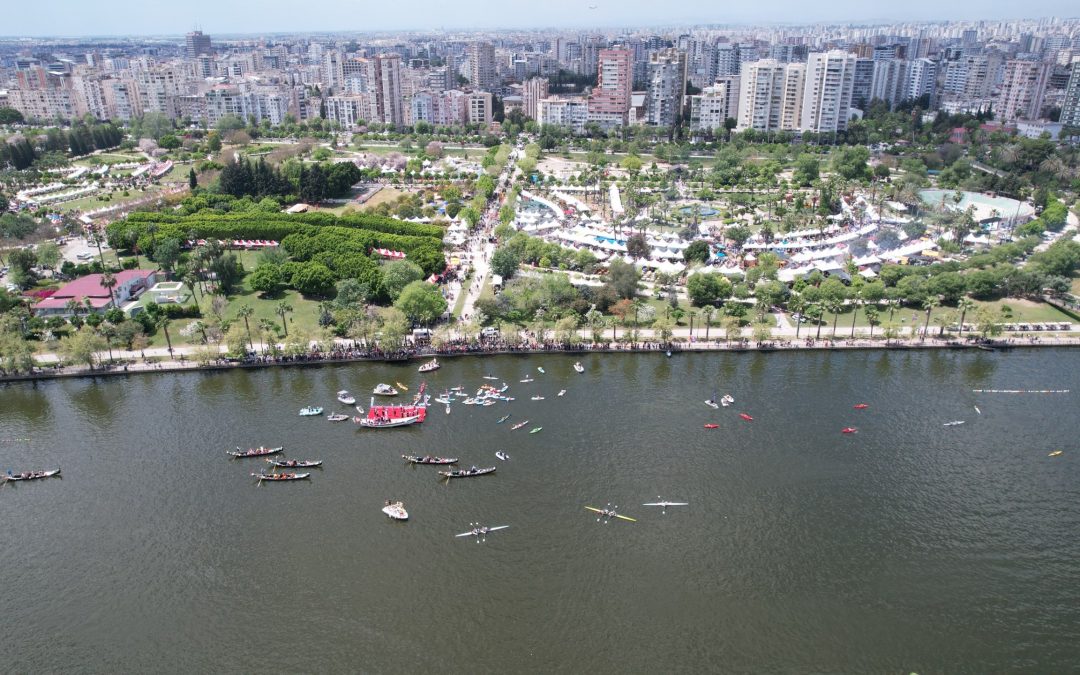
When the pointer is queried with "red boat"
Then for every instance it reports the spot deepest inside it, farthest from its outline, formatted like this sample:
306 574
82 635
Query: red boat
861 406
390 416
746 417
712 426
848 430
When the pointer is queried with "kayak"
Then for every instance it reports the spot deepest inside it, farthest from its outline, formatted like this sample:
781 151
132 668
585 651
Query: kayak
503 419
848 430
519 425
712 426
537 429
861 406
401 386
746 417
1054 453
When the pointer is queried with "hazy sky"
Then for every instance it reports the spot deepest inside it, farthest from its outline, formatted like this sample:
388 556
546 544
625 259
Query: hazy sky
158 17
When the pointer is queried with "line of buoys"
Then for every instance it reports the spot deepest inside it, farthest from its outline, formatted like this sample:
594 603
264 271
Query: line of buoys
1020 391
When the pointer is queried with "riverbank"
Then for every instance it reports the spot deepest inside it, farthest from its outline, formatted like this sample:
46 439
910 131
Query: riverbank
129 363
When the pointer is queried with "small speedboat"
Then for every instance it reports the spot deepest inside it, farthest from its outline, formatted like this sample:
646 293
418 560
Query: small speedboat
254 452
502 455
862 406
848 430
540 370
396 510
712 426
359 410
431 365
273 477
727 399
537 398
337 417
32 475
954 423
429 459
295 463
578 367
536 430
345 398
746 417
712 404
467 473
311 411
562 392
383 389
519 425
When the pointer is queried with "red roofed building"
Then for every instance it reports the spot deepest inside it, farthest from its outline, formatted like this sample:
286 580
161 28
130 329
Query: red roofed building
130 284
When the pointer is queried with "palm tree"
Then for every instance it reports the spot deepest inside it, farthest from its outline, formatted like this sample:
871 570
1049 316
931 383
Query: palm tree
162 322
638 303
796 305
244 312
929 304
856 300
964 306
872 318
265 326
282 309
108 282
834 306
707 312
191 280
814 310
201 328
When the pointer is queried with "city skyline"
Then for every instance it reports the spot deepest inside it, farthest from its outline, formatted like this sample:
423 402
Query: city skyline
128 17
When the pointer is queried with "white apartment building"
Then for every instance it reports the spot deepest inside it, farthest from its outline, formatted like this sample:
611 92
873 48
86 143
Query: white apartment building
348 111
826 103
561 112
771 95
478 107
714 105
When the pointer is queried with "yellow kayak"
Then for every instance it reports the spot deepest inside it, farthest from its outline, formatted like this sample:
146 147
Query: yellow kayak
401 386
1055 453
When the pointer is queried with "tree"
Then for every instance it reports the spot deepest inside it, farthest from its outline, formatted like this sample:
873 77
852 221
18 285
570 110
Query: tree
873 317
313 279
108 282
707 289
394 326
964 305
398 274
505 262
266 279
352 293
282 309
48 254
664 328
11 116
637 247
193 180
623 279
22 262
421 302
807 170
707 314
632 164
82 346
697 251
166 253
928 306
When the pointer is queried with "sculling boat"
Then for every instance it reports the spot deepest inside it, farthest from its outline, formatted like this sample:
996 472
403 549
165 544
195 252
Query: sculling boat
519 425
467 473
32 475
578 367
254 452
337 417
538 398
311 411
609 514
383 389
954 423
396 510
345 398
429 459
481 531
295 463
430 366
527 379
274 477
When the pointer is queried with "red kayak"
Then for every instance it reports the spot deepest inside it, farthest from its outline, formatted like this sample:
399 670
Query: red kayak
849 430
712 426
746 417
861 406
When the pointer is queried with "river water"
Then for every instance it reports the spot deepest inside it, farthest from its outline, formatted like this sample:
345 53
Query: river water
906 547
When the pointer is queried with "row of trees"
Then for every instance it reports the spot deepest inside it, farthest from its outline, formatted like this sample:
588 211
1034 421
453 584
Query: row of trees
311 183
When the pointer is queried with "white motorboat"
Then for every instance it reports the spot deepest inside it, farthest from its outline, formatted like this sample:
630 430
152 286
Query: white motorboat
311 411
395 510
578 367
383 389
345 398
431 365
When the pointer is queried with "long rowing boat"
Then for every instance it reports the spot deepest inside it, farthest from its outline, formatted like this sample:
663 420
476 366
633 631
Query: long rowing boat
32 475
254 452
295 463
467 473
274 477
428 459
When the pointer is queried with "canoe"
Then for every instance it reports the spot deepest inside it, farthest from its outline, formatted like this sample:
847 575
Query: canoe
712 426
32 475
396 510
427 459
275 477
255 452
467 473
295 463
746 417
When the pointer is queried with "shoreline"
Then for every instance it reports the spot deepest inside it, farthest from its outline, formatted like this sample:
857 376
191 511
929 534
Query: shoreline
145 366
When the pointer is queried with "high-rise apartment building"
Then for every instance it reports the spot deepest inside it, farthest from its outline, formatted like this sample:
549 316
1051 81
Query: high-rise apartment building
667 87
197 44
1022 90
532 91
771 95
611 96
826 103
710 109
478 107
1070 107
922 80
889 81
481 65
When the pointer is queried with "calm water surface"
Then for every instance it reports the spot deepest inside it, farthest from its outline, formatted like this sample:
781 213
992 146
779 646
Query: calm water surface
905 547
